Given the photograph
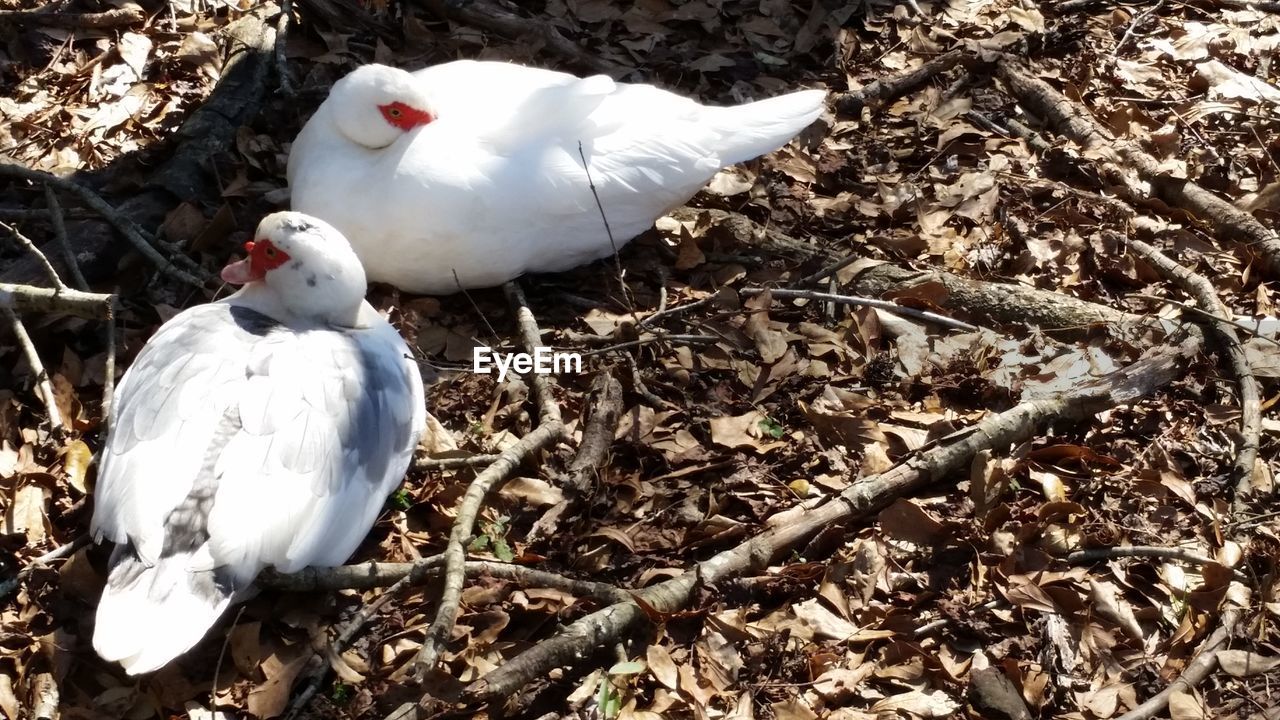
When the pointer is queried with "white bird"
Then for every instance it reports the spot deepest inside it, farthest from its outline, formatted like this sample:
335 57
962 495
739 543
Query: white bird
266 428
474 168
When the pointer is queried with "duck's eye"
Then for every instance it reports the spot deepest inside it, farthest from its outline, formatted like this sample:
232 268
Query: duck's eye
270 252
394 112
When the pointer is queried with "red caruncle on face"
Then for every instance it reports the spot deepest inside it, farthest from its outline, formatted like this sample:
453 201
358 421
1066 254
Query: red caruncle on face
404 116
264 256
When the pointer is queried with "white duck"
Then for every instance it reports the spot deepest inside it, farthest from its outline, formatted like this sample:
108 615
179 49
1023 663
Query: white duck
469 173
263 429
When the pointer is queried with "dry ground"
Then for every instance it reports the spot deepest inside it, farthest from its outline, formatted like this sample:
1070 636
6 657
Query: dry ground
968 596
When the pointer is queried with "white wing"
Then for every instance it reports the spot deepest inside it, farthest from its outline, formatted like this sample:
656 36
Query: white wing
297 436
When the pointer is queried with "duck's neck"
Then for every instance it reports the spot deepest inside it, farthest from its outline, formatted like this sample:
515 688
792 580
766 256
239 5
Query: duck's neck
262 299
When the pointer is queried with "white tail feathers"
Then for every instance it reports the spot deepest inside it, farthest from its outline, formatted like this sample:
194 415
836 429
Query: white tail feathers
150 615
760 127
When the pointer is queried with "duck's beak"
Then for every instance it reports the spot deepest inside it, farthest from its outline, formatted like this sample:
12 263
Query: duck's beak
241 272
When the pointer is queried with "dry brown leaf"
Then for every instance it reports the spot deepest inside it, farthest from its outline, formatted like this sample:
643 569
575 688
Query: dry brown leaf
1243 663
743 431
8 701
917 703
905 520
1107 602
271 697
531 492
75 464
662 666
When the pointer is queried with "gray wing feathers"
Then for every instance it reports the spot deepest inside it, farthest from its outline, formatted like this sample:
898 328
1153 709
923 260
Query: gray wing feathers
328 422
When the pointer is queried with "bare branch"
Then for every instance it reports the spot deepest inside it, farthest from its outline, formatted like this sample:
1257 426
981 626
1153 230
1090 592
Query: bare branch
64 242
1199 287
1081 557
28 298
887 306
43 386
550 429
31 248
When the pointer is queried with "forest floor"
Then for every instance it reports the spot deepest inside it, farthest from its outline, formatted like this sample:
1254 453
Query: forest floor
1053 497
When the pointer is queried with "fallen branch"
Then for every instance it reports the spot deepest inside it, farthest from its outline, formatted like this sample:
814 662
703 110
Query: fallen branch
988 303
895 86
43 259
495 17
64 242
282 39
787 530
1227 221
597 436
997 303
44 387
1202 290
1082 557
28 298
886 305
550 429
114 18
430 463
381 574
44 697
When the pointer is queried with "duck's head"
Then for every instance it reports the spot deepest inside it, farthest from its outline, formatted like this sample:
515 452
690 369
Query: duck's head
374 105
304 266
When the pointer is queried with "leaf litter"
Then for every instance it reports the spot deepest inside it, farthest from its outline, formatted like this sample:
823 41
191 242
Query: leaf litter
786 402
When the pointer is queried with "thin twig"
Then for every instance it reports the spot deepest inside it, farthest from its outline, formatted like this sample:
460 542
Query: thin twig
58 553
126 227
885 305
617 261
430 463
64 242
109 372
678 310
282 36
1253 330
1081 557
25 241
43 385
1133 25
827 271
222 654
656 338
317 666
